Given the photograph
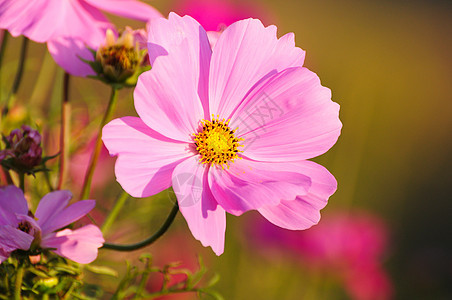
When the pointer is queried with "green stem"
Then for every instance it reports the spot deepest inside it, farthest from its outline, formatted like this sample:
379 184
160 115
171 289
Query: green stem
151 239
98 146
142 285
67 295
6 281
47 178
64 133
114 212
18 283
18 79
22 181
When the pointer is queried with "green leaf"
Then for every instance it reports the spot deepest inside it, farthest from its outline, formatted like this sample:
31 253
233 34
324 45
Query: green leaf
102 270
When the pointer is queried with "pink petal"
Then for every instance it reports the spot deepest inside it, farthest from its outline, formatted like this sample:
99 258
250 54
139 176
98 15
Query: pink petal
167 98
84 26
84 21
184 38
12 239
245 53
80 245
37 20
289 117
248 185
127 8
305 210
12 202
67 51
146 159
205 218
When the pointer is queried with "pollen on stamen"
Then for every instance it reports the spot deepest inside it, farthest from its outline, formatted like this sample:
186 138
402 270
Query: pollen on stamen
216 142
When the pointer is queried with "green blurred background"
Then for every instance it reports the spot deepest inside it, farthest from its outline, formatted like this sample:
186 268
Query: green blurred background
389 66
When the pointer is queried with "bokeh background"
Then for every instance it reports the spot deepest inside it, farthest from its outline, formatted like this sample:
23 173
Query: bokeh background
387 231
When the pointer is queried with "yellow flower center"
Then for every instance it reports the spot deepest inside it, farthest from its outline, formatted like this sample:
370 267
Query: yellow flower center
216 143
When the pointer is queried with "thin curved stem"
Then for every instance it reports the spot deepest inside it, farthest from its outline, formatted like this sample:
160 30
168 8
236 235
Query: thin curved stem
18 79
151 239
98 146
64 133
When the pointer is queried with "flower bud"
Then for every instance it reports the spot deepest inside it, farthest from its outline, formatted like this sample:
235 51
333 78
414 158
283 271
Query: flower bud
23 147
119 59
35 259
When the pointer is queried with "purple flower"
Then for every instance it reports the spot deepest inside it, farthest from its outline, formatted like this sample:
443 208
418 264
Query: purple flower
24 147
19 230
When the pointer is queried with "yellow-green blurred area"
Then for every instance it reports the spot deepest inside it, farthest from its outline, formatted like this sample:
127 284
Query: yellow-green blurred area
389 66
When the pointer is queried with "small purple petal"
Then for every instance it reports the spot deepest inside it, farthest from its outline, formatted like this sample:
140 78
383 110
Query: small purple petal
12 239
12 202
67 216
50 205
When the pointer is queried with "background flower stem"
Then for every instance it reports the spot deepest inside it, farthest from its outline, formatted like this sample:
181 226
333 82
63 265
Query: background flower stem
65 130
98 146
18 79
114 212
4 42
151 239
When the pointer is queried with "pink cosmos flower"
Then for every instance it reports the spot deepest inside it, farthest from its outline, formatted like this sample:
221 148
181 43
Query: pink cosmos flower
69 26
230 128
19 230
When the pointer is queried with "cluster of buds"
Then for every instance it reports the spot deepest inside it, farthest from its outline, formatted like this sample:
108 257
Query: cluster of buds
23 150
120 60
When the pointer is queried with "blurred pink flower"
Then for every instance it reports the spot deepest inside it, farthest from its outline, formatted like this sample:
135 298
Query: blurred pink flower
213 15
19 230
68 27
79 163
350 246
257 83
